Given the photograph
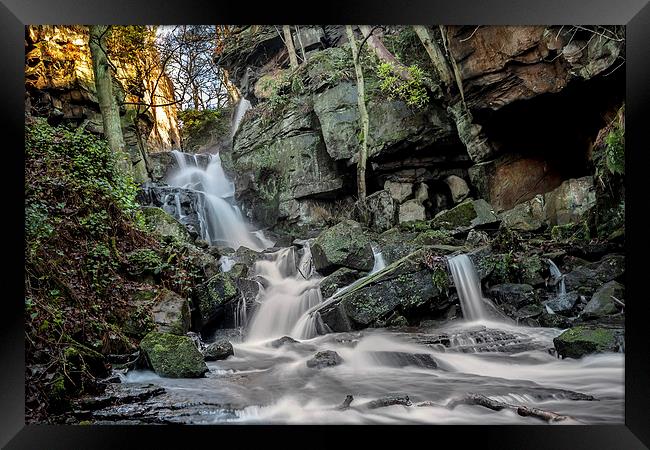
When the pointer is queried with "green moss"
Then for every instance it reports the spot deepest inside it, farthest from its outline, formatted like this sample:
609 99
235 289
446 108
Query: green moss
413 91
416 225
571 232
145 261
430 237
582 340
461 215
615 151
173 356
440 279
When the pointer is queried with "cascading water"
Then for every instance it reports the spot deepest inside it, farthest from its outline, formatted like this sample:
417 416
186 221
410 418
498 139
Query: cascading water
468 286
558 277
379 260
241 108
221 221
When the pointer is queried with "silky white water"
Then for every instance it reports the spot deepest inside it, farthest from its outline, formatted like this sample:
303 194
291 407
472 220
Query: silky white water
468 286
221 221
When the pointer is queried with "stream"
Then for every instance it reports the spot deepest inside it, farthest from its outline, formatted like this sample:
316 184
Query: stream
268 380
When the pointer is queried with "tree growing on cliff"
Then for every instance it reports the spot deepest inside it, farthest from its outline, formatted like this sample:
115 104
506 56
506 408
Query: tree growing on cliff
288 41
107 102
363 115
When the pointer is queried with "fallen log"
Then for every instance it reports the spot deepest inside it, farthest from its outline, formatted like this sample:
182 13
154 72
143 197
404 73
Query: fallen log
525 411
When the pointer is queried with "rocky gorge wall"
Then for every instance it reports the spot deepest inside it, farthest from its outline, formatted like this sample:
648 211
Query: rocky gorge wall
524 116
60 85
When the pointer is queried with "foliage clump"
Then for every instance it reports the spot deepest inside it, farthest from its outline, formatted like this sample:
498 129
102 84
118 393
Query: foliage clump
413 91
81 219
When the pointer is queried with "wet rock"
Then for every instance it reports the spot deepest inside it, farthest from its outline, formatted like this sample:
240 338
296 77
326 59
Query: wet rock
327 358
389 401
564 303
458 188
340 278
171 313
602 303
399 191
587 278
284 340
468 214
213 295
164 224
246 256
513 294
121 394
403 359
173 356
477 238
346 244
382 209
583 340
554 320
407 283
411 210
346 403
530 311
218 350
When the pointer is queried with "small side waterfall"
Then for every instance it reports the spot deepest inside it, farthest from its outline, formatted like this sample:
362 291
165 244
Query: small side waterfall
243 106
558 277
379 259
220 220
468 286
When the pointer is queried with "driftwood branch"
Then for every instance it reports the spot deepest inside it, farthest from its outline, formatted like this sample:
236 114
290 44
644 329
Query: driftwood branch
525 411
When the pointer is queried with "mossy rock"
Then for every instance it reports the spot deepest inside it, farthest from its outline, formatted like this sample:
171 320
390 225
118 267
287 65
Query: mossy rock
468 214
163 223
171 314
173 356
582 340
214 294
571 232
346 244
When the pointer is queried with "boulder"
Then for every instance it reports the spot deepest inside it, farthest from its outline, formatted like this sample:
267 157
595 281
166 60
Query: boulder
564 303
586 279
404 359
382 209
583 340
338 279
346 244
327 358
338 115
399 191
164 224
512 294
213 295
173 356
570 202
422 193
602 304
284 340
171 313
218 350
458 188
411 210
477 238
469 214
406 284
526 216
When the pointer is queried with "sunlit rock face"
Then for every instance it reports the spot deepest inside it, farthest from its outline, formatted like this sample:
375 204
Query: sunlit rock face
60 83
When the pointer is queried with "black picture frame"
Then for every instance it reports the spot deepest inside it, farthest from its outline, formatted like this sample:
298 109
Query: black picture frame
635 14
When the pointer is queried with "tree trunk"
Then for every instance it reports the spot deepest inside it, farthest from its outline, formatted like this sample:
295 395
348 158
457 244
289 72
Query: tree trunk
107 102
437 57
302 47
457 76
288 40
363 115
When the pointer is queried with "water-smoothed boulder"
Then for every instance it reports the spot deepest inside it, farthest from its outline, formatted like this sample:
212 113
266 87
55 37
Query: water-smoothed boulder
468 214
602 302
399 191
346 244
563 303
327 358
512 294
220 349
164 223
526 216
404 285
458 188
213 295
570 202
584 340
173 356
586 279
171 313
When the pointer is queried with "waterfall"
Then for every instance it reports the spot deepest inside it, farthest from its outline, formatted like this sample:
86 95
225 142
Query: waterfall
243 106
557 276
468 286
379 260
287 295
220 220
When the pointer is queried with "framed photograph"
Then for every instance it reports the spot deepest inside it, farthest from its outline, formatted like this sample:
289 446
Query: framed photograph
379 215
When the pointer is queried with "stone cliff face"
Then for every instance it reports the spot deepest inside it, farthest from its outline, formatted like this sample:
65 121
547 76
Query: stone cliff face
60 85
533 101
